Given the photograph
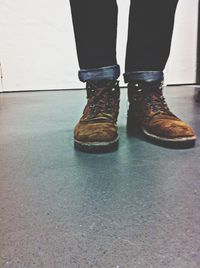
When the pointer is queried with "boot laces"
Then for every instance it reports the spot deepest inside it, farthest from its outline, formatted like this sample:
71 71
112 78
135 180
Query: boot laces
100 98
158 103
154 98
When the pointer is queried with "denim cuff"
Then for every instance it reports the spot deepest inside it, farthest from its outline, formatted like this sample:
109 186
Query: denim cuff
103 73
147 76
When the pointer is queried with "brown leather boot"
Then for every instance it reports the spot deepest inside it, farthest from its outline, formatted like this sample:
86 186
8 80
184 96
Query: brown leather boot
97 129
149 113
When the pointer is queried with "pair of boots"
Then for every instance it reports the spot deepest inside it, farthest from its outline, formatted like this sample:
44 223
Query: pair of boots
148 113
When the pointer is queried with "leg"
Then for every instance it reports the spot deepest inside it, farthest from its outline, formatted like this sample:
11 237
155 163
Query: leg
95 27
149 39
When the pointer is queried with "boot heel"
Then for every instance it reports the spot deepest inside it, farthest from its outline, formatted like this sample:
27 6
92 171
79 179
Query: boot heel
133 126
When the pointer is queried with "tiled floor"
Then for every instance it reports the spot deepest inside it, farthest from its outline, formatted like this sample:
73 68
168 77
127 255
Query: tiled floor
138 207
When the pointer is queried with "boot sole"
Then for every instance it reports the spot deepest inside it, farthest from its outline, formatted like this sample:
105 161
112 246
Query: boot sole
96 147
176 143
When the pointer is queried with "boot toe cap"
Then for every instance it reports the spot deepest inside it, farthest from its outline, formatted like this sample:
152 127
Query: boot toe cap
172 129
96 132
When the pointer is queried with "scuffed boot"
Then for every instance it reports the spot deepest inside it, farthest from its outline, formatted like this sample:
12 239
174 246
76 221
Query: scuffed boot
149 113
97 129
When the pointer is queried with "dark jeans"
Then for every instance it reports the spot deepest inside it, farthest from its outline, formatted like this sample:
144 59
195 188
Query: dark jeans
149 38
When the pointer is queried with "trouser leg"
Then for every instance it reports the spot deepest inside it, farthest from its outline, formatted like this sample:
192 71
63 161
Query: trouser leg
149 38
95 29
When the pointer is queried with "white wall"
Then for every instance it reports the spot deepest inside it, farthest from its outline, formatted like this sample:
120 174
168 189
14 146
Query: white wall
37 47
181 66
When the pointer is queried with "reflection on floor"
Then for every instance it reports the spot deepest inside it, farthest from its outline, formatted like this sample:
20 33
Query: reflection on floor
138 207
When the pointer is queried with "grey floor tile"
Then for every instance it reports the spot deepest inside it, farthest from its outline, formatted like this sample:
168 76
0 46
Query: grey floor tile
138 207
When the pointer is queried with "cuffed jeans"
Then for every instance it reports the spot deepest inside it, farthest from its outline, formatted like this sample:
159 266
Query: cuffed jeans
148 45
